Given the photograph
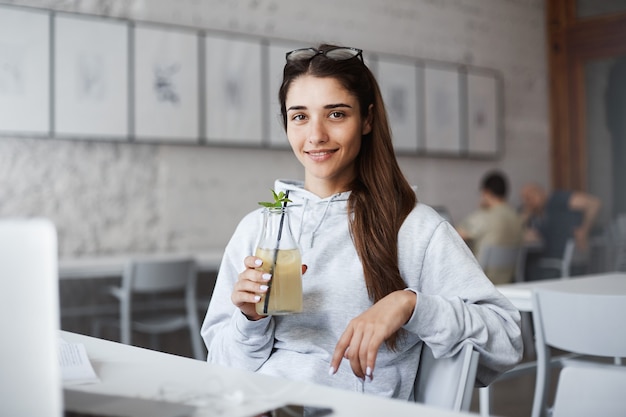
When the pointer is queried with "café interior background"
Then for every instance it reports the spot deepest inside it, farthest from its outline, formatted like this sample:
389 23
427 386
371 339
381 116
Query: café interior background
112 197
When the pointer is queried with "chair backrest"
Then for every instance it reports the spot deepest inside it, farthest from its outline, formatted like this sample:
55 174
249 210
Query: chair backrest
585 391
617 237
499 256
30 374
562 265
496 258
446 382
154 276
587 324
582 323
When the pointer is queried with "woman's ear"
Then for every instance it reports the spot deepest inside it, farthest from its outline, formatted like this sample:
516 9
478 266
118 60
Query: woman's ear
367 122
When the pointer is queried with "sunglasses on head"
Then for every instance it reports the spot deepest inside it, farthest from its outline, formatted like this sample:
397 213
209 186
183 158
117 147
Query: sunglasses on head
339 53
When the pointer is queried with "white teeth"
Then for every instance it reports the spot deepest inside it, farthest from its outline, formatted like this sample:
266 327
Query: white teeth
319 153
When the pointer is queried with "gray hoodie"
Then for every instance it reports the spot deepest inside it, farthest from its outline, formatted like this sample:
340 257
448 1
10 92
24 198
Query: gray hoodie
456 302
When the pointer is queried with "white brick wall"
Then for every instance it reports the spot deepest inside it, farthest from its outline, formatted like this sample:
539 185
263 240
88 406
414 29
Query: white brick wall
111 197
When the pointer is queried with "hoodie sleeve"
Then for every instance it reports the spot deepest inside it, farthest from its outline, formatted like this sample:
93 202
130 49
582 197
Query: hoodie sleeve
231 339
456 303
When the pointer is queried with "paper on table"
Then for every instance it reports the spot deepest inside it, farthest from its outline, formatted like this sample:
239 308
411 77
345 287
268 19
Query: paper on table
75 366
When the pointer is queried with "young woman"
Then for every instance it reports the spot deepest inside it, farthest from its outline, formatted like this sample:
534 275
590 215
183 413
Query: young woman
384 272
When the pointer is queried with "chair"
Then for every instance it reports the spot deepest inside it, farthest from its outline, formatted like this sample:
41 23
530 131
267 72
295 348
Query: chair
158 280
562 265
509 258
587 391
617 237
503 258
583 324
446 382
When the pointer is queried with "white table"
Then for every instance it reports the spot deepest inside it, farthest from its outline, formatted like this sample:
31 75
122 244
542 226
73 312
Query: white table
133 371
113 265
520 294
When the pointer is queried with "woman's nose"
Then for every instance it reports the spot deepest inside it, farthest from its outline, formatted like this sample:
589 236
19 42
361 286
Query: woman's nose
317 132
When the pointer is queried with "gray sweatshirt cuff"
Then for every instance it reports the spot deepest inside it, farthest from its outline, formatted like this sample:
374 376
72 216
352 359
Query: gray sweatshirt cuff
247 328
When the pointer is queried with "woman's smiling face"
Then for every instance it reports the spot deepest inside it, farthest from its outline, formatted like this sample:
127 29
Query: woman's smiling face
325 129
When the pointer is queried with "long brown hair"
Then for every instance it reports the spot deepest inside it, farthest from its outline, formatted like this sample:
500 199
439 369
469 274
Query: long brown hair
381 197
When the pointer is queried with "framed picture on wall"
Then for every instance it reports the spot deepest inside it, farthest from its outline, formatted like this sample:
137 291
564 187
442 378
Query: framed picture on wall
483 115
90 77
398 82
276 59
442 105
24 71
233 91
166 84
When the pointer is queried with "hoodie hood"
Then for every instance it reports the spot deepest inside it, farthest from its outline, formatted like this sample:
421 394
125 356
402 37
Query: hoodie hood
297 193
311 210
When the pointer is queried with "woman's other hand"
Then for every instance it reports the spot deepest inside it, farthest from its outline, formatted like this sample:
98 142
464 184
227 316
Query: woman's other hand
361 340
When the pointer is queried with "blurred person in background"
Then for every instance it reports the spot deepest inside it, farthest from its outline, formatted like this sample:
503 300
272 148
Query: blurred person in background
494 223
552 219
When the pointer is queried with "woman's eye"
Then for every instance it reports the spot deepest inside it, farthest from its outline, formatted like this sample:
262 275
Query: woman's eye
336 115
297 117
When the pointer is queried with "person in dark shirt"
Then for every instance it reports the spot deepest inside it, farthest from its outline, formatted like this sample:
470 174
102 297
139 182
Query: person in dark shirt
555 218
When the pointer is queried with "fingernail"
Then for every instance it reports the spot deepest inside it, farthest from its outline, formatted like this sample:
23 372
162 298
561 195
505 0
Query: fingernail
263 287
257 298
332 371
368 372
258 262
266 276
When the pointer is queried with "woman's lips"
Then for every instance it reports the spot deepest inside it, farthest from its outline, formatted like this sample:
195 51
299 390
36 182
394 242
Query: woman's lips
320 156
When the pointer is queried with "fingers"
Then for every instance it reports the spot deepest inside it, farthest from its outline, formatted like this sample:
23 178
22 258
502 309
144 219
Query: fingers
252 283
359 344
364 335
340 350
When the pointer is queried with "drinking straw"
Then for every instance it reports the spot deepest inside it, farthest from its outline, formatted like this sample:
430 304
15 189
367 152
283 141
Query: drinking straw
273 267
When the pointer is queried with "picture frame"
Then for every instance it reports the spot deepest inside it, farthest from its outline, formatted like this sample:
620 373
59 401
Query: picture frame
233 91
166 84
442 111
398 81
90 77
24 71
483 115
276 51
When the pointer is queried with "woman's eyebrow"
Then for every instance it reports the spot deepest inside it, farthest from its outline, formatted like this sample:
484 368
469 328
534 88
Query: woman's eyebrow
337 105
328 106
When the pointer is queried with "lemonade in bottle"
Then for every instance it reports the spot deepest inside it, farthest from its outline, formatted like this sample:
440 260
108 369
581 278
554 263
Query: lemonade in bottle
282 259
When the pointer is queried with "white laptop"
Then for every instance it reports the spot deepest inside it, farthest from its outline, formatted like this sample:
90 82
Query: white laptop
30 375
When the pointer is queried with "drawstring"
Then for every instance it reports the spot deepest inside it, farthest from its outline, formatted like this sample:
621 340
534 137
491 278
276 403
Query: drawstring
319 224
306 203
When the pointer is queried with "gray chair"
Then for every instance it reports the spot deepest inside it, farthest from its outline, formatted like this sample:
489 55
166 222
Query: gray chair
585 391
446 382
158 281
503 257
562 265
617 239
592 325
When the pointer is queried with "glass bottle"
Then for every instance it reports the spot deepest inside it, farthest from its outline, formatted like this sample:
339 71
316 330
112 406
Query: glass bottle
281 258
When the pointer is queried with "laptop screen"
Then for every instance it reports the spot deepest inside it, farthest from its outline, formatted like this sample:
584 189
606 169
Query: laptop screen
30 374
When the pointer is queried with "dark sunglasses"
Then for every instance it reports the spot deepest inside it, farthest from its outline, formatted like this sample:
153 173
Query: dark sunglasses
339 53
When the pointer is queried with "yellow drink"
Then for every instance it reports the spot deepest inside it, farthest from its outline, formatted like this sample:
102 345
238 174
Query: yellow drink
286 285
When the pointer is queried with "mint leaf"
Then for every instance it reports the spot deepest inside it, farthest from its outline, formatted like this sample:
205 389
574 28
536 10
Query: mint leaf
279 200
